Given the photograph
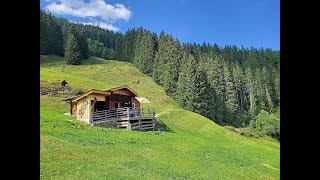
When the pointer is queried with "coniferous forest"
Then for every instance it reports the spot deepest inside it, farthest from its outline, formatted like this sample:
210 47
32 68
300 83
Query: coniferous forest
229 85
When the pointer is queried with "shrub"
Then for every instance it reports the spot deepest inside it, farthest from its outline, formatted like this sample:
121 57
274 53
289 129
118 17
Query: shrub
77 91
265 124
250 132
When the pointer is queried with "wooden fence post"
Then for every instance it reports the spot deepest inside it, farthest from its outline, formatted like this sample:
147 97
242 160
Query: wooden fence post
141 113
128 113
116 112
91 118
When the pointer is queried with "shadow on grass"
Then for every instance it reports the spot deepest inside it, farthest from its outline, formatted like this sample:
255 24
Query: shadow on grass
161 126
59 60
92 60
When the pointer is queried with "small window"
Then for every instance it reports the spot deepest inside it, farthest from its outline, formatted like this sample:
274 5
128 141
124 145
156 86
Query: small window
133 106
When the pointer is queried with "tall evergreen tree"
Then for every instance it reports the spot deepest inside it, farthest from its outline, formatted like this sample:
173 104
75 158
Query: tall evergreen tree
128 45
54 36
83 45
43 34
166 61
146 44
230 97
249 87
180 94
72 52
239 84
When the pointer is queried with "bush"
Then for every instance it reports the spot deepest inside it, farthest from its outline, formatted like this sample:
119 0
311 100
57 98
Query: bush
250 132
265 124
77 91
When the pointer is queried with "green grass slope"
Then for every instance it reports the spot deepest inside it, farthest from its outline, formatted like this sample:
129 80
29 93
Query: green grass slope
194 148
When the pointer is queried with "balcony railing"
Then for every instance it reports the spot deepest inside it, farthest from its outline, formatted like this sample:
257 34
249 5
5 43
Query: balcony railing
126 113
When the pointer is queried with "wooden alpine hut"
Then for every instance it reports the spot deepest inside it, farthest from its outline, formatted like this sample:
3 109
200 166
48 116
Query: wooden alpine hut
118 106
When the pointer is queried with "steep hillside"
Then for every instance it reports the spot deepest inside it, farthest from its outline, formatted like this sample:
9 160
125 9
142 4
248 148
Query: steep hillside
192 147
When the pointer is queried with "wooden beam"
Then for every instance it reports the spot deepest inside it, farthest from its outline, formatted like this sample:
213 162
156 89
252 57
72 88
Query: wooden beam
90 92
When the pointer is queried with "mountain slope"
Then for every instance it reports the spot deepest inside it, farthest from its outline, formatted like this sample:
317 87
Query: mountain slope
193 147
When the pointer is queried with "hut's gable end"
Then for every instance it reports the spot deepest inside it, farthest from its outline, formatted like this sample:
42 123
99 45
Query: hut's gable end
98 97
124 92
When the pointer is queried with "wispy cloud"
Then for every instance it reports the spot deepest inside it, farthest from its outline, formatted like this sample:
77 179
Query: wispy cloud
108 13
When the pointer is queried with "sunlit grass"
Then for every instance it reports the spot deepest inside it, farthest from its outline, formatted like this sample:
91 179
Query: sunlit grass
194 148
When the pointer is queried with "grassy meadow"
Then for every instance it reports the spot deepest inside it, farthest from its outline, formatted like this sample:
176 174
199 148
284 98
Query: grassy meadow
192 147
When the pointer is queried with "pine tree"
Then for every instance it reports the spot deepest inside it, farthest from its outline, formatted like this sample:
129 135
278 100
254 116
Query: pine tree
239 84
72 53
165 70
268 90
214 68
249 88
230 97
83 45
203 100
276 82
190 83
128 45
43 34
158 64
216 49
54 36
259 91
117 46
193 88
180 94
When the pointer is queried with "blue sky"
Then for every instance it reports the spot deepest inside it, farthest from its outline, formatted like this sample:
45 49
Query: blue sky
225 22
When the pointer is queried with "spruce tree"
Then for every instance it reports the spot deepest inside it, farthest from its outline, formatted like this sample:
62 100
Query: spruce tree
204 99
145 51
83 45
239 84
72 54
250 91
230 97
190 83
169 57
54 36
276 82
180 94
43 34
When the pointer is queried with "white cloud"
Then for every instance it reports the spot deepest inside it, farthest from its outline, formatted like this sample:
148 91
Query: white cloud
94 9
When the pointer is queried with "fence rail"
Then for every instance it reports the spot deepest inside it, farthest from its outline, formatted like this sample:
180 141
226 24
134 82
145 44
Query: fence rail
122 113
130 118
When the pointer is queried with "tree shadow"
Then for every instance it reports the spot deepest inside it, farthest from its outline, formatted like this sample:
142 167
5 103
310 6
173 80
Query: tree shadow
161 126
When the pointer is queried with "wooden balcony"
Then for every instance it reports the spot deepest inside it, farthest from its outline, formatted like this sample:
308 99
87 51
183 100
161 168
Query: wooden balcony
130 118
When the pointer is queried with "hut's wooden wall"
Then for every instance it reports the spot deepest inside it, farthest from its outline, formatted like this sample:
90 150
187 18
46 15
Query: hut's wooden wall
85 101
74 108
136 102
116 98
